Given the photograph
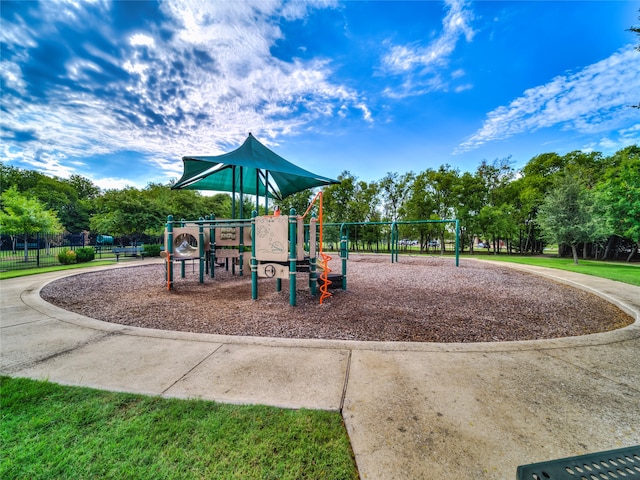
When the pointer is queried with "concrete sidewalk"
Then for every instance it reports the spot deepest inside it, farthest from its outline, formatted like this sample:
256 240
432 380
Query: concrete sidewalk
412 410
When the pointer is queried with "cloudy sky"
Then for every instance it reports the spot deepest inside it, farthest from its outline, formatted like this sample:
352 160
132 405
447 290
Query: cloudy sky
119 91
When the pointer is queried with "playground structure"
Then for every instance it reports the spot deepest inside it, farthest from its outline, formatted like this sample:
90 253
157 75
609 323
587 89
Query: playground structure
281 248
277 249
277 242
255 170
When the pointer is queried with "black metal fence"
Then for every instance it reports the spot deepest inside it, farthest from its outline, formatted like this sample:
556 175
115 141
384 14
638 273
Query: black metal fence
24 251
19 252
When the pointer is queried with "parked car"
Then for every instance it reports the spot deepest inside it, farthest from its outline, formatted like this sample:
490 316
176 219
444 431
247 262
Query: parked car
433 243
412 243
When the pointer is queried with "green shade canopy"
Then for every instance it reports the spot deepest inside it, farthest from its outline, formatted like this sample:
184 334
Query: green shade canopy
251 169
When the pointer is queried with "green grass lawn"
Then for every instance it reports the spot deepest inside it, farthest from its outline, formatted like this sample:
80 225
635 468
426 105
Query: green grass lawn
622 272
55 268
53 431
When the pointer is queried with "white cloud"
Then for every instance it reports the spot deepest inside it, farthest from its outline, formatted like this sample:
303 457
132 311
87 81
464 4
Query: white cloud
140 39
366 113
420 63
616 140
593 100
110 183
199 90
462 88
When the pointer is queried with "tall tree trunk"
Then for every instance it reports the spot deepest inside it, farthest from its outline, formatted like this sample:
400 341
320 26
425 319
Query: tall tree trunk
530 240
584 251
607 250
574 250
633 251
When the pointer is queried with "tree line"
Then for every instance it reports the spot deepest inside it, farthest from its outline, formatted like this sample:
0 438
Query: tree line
586 202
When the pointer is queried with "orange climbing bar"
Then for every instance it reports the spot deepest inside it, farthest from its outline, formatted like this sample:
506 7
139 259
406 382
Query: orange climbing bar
324 263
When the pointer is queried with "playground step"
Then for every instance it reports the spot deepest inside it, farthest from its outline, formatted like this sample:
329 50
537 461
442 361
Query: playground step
335 279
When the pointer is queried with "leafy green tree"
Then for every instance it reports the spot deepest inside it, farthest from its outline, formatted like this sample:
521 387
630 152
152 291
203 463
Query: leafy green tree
588 166
394 189
363 207
536 180
349 200
85 189
220 205
63 199
567 216
496 219
70 198
420 204
128 212
337 197
23 215
441 187
189 204
619 196
470 193
23 180
299 201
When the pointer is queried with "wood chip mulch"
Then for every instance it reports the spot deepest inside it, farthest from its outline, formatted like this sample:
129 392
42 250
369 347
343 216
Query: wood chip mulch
418 299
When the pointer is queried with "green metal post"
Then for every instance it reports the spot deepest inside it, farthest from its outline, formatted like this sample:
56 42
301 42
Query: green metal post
201 250
212 244
457 243
393 240
241 228
344 235
233 213
258 191
344 254
397 239
182 268
266 192
170 251
293 223
254 262
206 252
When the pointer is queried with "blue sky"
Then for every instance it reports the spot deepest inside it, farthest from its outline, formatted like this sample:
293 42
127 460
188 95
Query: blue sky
119 91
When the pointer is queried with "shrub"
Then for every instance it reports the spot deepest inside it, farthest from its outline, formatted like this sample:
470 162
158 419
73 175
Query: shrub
152 250
67 257
85 254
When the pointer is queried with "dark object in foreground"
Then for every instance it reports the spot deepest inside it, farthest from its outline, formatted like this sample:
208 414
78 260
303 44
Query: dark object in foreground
621 463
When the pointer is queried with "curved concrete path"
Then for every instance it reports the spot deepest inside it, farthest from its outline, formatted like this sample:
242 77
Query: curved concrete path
412 410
